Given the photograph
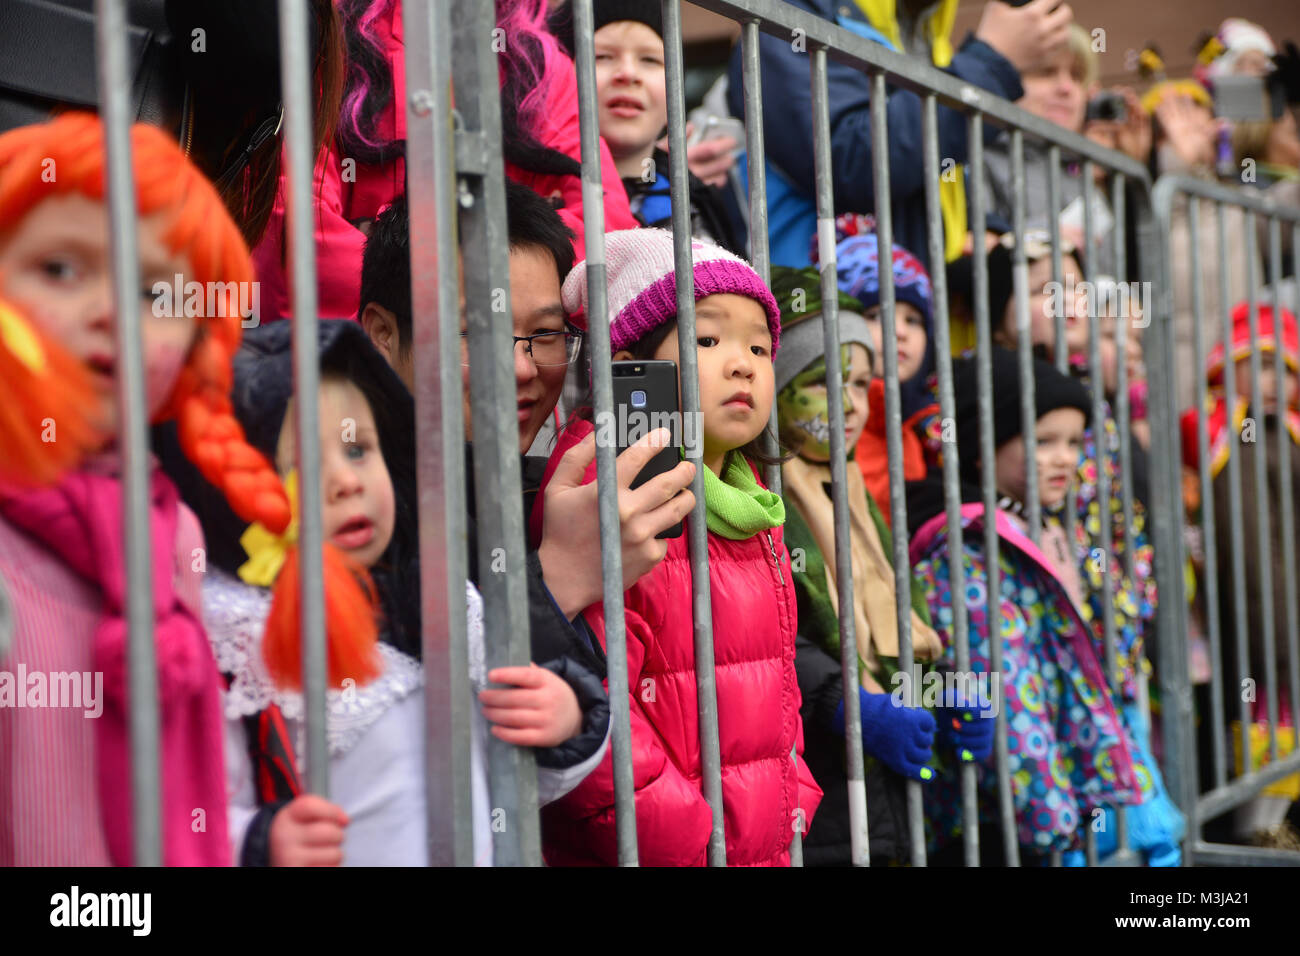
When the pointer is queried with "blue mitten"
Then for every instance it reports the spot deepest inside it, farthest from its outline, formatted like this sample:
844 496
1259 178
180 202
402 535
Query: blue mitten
970 734
901 737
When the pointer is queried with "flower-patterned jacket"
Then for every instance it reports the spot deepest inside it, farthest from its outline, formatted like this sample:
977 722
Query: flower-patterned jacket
1069 750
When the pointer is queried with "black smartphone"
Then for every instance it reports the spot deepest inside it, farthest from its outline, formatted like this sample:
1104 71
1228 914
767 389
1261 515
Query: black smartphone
645 398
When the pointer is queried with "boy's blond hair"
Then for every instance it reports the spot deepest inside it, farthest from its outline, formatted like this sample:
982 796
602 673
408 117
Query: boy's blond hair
1086 63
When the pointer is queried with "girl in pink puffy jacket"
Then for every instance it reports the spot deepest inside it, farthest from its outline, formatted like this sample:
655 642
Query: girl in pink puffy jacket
767 794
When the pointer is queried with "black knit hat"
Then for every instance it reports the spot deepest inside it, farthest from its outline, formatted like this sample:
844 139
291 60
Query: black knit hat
1052 390
649 12
961 273
263 383
961 282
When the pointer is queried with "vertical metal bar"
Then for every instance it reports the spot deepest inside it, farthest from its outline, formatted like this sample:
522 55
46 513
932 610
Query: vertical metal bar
1207 496
1122 413
894 437
1102 451
440 462
1236 535
1265 569
1288 514
1286 506
697 529
142 679
1178 717
1176 691
756 157
951 478
1054 228
512 771
1098 425
611 556
1060 349
1124 428
853 760
1177 702
756 149
1025 347
295 79
1154 225
988 483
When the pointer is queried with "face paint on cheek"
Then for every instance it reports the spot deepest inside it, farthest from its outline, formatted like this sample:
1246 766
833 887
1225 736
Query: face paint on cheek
846 369
803 413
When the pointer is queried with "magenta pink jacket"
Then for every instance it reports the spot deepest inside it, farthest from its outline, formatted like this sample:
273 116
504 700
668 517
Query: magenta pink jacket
83 773
766 793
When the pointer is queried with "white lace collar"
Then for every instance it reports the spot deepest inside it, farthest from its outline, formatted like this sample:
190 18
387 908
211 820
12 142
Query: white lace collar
235 613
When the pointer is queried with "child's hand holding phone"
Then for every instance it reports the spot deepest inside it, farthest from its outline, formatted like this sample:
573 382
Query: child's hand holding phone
710 152
540 710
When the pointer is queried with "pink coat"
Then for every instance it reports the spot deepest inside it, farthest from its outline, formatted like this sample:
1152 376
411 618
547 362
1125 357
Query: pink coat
765 793
65 785
339 204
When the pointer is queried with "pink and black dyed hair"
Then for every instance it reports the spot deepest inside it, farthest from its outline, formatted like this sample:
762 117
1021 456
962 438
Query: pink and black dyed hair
529 60
368 83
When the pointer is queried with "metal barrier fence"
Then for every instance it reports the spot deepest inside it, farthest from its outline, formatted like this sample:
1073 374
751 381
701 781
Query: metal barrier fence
457 201
1175 677
823 40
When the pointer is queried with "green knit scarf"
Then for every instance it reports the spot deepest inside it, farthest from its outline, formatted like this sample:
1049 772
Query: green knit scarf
738 506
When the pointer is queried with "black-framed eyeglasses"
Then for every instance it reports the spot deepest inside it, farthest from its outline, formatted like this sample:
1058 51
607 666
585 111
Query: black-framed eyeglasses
547 349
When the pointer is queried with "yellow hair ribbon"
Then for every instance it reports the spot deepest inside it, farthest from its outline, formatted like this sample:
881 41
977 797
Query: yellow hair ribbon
1150 61
267 551
1153 97
20 340
1212 50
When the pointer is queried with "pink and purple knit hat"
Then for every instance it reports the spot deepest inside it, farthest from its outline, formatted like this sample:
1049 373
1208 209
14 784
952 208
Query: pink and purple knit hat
642 283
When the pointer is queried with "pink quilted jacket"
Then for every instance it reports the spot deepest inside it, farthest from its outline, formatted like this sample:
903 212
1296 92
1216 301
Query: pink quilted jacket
765 792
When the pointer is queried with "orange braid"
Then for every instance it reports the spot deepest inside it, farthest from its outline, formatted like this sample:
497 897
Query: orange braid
352 632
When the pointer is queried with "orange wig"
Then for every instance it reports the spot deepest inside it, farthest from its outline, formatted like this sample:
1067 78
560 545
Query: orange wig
197 223
48 421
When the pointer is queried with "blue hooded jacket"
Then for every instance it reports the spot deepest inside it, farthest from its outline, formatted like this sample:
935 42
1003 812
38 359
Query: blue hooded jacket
787 117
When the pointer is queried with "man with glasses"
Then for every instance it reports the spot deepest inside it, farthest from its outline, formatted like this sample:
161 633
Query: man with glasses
564 571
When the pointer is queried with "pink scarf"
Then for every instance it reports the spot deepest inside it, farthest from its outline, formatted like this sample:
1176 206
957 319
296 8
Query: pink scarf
80 520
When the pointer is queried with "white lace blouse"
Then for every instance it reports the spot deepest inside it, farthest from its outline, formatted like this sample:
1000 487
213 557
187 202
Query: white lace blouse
375 733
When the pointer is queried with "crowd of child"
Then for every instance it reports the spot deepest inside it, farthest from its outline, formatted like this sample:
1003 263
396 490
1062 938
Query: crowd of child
223 502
